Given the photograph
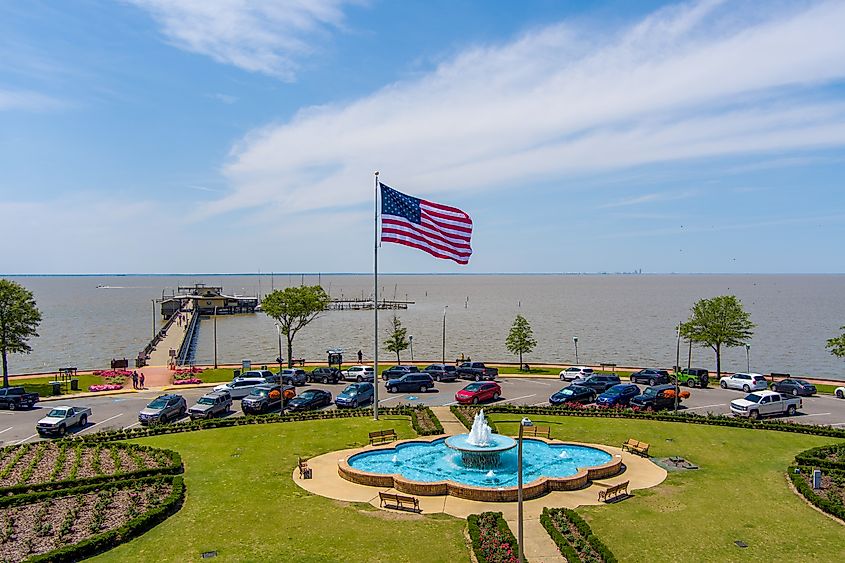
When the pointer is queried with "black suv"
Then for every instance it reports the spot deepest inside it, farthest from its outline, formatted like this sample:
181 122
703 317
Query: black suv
442 372
598 383
650 376
325 375
655 398
411 382
395 372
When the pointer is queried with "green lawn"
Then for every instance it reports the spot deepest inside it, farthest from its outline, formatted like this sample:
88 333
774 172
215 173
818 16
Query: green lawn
42 386
740 493
242 503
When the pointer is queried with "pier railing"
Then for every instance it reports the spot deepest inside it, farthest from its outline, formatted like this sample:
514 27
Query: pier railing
186 348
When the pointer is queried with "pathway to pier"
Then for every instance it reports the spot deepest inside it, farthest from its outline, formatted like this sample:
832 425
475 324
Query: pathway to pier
157 372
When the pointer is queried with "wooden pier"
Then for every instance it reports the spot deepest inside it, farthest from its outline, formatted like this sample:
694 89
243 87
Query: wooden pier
366 304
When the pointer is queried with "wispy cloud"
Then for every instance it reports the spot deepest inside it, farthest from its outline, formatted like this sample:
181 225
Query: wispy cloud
28 100
656 197
267 36
225 98
684 83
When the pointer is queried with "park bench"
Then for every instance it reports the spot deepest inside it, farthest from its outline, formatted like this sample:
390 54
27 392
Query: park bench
537 431
304 470
636 447
383 436
399 502
606 495
298 362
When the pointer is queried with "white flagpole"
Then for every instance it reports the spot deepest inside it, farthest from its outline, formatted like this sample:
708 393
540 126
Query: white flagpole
375 304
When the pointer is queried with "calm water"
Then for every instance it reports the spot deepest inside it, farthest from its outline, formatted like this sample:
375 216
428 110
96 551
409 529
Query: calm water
628 320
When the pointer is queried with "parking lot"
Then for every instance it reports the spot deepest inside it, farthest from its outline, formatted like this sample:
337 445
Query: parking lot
121 411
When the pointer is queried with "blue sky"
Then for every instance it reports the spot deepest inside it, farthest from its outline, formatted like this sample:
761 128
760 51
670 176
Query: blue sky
197 136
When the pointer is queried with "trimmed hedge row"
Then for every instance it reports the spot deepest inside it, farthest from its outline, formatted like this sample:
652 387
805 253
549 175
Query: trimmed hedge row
108 540
566 549
474 528
817 457
194 425
428 414
823 503
173 468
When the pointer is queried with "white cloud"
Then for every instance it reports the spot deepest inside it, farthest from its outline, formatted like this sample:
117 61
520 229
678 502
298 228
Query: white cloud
266 36
27 100
699 80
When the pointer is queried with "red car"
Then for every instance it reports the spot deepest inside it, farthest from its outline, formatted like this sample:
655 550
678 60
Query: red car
477 392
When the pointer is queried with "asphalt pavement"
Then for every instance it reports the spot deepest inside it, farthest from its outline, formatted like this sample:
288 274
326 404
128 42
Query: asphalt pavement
121 411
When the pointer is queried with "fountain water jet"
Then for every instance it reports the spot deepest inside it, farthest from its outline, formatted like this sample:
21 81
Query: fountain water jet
481 448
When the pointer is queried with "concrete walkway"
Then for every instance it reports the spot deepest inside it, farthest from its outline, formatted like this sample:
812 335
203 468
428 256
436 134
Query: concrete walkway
451 424
160 356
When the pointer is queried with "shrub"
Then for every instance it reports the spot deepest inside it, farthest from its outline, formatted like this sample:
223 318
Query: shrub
492 540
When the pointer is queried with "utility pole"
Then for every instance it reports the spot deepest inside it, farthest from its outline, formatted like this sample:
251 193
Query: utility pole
677 368
443 349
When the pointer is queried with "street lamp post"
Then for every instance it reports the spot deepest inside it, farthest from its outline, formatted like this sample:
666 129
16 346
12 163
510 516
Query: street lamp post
575 341
153 303
523 423
411 341
748 358
443 349
279 330
215 337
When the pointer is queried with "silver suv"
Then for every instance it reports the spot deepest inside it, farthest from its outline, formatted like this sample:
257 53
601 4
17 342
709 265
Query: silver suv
163 408
210 405
240 388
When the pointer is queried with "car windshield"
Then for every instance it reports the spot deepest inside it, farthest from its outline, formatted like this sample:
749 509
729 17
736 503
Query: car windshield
259 392
205 401
800 382
351 391
566 392
613 391
473 387
650 392
57 413
753 398
308 394
158 404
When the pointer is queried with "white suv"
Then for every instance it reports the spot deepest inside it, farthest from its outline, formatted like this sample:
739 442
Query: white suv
745 381
359 373
576 372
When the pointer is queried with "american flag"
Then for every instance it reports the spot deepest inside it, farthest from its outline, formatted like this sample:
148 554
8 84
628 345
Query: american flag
440 230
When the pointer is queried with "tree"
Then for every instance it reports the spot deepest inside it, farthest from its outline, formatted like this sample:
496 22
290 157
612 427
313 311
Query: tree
520 340
837 345
19 317
718 322
294 308
398 340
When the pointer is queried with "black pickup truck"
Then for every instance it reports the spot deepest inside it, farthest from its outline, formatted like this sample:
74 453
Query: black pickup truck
476 371
14 398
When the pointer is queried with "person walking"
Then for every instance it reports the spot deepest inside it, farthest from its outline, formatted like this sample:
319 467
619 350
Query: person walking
360 356
134 380
141 379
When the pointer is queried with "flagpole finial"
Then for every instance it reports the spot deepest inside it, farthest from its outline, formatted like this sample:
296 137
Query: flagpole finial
376 172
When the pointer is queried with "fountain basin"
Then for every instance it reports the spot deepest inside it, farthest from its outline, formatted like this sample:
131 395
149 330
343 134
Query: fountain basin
487 456
430 468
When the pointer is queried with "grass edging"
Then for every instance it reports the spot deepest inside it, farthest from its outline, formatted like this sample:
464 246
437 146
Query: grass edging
474 523
568 550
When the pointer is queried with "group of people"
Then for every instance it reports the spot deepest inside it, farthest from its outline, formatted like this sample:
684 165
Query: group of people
137 380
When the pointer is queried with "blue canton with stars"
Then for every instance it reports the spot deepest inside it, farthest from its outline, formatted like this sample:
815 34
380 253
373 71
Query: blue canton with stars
399 204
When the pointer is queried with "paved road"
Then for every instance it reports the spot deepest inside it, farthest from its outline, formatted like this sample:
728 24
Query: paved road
121 411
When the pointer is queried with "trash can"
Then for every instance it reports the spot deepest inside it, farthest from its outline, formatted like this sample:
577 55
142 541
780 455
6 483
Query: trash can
237 373
57 387
246 365
74 385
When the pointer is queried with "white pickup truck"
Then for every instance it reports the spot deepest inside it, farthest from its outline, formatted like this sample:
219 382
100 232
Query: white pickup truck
59 419
765 403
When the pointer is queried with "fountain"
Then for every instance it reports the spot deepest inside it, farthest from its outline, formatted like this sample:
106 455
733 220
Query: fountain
481 448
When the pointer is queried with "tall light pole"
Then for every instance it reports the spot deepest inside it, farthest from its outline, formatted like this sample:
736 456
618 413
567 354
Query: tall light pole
748 358
677 367
443 349
279 330
215 337
523 423
153 303
411 341
575 341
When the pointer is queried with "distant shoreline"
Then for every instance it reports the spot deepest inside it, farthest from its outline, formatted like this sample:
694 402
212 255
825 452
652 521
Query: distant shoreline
264 274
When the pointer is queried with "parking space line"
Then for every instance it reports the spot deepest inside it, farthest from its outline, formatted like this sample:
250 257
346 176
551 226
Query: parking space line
817 414
707 406
543 404
99 423
133 425
450 404
518 398
6 430
390 398
25 439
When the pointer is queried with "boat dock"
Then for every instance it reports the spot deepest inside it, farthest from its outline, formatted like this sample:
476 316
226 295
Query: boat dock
366 304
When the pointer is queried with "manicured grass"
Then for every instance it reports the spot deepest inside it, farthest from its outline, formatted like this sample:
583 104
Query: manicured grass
242 503
219 375
740 493
42 386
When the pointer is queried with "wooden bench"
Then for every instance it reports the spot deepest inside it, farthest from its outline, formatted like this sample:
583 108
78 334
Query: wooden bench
399 502
538 431
304 470
636 447
383 436
606 495
298 362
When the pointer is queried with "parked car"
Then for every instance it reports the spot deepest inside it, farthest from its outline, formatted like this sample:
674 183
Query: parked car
765 403
267 398
477 371
324 375
442 372
694 377
310 399
618 395
657 397
418 382
840 392
59 419
210 405
359 373
294 376
650 376
599 383
163 408
479 392
575 372
16 397
744 381
240 388
794 387
355 395
395 372
573 394
256 373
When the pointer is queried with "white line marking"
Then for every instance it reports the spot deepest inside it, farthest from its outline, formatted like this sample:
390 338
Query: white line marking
542 383
543 404
6 430
838 424
817 414
132 425
390 399
99 423
518 398
707 406
25 439
450 404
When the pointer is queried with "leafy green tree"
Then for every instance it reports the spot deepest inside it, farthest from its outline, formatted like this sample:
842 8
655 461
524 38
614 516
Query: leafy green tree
837 345
293 308
19 317
718 322
520 340
398 340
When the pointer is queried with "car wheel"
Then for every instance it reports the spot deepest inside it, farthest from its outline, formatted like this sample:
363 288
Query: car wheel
790 410
690 383
394 389
723 385
754 415
83 421
795 392
652 382
12 406
324 380
746 388
840 394
62 430
359 379
355 404
475 400
495 396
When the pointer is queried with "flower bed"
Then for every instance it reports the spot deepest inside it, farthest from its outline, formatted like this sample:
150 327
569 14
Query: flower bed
492 540
573 536
188 381
188 371
105 387
112 373
425 423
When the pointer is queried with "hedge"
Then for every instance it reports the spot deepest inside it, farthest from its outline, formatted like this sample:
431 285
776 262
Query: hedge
817 457
823 503
566 549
